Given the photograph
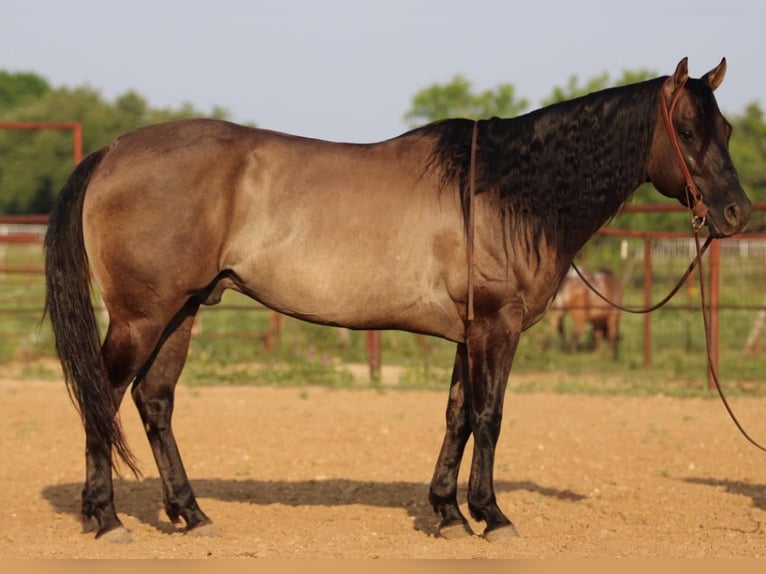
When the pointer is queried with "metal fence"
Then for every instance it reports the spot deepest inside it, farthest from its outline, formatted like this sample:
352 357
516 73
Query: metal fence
647 265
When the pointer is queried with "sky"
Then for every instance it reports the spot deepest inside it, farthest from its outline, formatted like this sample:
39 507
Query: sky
347 70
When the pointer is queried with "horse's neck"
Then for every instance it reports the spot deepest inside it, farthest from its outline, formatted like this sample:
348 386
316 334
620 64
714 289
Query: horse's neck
568 168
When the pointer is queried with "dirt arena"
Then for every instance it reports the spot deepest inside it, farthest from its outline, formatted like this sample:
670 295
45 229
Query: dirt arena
313 473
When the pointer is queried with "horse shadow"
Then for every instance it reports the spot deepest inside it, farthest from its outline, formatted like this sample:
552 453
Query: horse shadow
143 499
756 492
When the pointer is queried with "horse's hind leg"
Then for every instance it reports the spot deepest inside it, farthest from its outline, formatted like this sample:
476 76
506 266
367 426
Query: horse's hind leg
443 492
122 356
98 492
131 344
153 394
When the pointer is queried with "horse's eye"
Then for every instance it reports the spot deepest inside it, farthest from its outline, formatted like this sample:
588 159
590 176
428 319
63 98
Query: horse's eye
686 135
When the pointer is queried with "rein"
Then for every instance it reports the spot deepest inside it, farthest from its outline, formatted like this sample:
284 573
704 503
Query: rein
699 213
694 200
711 369
641 310
699 209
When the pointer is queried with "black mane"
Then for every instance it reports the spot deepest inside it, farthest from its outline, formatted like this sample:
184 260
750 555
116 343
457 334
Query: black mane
563 170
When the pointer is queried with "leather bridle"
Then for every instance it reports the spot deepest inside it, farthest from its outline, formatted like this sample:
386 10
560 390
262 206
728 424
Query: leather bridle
699 214
697 205
694 200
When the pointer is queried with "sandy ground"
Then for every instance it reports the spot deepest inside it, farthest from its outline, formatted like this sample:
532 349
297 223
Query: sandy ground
314 473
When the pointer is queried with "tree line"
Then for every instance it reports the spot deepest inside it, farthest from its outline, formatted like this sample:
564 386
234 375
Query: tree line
34 164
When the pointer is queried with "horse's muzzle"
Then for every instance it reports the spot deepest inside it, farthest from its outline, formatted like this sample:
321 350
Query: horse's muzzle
730 220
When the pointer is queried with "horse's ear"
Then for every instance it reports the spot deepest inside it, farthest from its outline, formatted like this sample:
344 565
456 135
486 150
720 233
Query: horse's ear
677 80
715 76
681 74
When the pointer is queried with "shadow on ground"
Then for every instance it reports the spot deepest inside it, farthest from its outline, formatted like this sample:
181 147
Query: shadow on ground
756 492
143 499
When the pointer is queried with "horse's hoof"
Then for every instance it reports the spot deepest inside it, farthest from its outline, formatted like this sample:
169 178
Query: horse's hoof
119 535
505 532
455 530
206 530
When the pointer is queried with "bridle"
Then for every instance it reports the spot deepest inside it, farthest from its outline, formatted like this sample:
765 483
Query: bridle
699 214
698 208
694 199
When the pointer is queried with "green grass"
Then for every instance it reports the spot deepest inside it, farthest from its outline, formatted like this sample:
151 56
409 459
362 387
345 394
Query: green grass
22 335
229 350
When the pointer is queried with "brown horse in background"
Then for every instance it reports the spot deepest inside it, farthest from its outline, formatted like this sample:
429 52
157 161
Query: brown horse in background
461 230
584 307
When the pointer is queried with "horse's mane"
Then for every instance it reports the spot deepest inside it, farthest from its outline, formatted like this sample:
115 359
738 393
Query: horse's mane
562 170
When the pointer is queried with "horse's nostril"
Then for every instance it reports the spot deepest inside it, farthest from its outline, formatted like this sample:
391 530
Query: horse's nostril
737 215
731 213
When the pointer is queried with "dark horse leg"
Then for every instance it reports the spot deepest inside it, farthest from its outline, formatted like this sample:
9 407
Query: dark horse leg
475 406
98 493
120 356
443 492
130 352
153 394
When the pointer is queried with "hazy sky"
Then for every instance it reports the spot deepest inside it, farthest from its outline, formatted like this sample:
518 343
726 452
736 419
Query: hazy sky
347 70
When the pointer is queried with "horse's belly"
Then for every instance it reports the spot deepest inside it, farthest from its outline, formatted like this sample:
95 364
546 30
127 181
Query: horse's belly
333 289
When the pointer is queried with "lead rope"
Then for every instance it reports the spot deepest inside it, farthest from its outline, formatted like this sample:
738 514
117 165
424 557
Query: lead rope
699 213
698 208
470 231
668 297
711 368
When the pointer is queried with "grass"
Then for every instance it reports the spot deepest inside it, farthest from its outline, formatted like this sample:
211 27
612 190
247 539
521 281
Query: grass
229 349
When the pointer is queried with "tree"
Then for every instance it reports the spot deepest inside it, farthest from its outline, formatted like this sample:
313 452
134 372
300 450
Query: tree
748 152
456 99
35 164
18 88
573 89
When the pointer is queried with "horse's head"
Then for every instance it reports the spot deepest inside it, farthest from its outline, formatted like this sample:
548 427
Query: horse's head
689 158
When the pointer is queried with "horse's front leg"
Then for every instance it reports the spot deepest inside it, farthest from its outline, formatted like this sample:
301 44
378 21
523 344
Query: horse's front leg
443 492
491 343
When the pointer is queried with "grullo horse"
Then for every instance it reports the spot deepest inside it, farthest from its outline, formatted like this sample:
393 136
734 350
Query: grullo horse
461 230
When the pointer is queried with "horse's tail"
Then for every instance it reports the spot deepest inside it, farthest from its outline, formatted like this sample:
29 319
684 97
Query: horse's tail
76 332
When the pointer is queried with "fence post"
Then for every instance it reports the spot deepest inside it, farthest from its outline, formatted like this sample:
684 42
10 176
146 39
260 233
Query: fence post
274 332
647 300
373 354
76 142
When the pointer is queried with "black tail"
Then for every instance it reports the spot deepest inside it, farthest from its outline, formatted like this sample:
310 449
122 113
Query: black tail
68 301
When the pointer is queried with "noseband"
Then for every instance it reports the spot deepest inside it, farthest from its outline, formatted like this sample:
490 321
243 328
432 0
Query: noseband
698 208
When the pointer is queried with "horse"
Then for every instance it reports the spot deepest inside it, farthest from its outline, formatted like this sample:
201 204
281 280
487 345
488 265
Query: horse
584 307
459 229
